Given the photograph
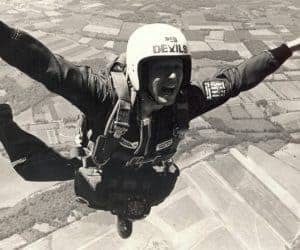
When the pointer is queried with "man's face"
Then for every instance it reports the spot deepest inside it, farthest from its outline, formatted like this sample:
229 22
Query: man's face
165 77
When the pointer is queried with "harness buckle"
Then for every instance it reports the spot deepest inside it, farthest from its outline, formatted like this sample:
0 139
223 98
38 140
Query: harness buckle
119 130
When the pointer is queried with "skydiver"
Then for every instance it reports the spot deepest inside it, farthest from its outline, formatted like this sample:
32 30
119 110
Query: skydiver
138 109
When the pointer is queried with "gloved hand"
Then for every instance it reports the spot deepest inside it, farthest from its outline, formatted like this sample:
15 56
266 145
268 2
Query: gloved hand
5 32
294 45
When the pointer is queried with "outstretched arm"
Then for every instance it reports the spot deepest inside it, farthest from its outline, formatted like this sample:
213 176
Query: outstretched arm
294 45
253 71
27 54
231 80
76 83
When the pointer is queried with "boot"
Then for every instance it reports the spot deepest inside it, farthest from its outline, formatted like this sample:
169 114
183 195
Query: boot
124 227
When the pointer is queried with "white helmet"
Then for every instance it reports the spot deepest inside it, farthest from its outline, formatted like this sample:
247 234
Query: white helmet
155 40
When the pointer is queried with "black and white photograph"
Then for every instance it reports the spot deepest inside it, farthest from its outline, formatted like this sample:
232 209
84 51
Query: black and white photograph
156 125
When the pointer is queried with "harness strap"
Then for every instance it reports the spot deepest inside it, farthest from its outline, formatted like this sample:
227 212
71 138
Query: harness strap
121 121
117 124
145 135
181 109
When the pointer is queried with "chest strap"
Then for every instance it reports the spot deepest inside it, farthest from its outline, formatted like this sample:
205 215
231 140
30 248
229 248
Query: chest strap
117 124
121 118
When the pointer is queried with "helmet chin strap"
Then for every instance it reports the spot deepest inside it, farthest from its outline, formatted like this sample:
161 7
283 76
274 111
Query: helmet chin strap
147 104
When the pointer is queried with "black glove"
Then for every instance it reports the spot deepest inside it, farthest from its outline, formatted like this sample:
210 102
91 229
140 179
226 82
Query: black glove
5 33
